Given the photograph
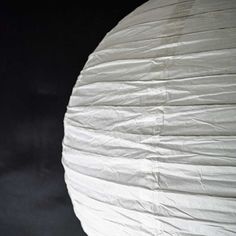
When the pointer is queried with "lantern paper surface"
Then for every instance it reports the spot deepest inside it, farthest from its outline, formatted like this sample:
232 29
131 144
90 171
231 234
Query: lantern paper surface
150 128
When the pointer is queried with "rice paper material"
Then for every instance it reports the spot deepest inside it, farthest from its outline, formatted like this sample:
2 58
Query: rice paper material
150 128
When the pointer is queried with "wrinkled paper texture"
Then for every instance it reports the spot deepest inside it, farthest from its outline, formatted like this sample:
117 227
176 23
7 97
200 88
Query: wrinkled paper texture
150 128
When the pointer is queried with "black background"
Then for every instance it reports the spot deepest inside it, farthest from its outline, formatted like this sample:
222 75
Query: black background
43 49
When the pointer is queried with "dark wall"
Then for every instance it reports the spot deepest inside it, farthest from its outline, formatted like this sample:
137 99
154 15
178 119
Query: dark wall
43 49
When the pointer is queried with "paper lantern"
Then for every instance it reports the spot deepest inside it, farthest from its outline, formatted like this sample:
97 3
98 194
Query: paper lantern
150 128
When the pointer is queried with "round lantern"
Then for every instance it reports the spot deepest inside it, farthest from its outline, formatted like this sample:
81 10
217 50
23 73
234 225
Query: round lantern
150 128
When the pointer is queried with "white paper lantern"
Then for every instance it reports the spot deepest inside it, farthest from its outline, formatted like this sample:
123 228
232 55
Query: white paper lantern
150 129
